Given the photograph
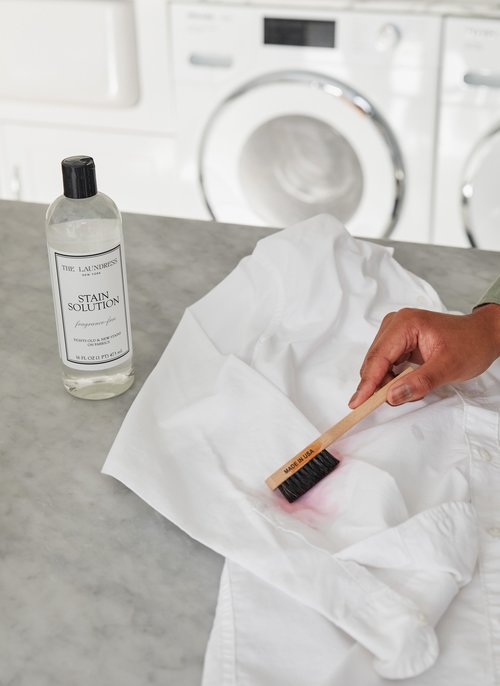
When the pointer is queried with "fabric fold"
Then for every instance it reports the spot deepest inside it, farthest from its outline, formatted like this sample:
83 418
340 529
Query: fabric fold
254 372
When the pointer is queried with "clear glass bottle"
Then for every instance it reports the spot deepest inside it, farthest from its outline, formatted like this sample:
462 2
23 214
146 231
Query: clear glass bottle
89 285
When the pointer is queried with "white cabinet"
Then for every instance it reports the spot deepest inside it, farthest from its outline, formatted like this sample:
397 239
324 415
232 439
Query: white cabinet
134 169
86 63
86 77
72 52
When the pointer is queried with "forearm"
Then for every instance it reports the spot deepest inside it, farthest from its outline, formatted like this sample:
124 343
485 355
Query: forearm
487 316
488 308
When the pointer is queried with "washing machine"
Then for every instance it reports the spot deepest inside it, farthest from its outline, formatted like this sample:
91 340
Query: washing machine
286 113
467 199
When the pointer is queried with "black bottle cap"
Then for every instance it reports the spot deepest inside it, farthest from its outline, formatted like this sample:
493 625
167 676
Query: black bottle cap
79 177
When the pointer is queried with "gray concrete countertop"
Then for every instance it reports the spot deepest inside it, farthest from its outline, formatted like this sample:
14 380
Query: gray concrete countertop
95 587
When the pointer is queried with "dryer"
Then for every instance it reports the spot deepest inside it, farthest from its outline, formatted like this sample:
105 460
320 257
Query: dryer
467 199
285 113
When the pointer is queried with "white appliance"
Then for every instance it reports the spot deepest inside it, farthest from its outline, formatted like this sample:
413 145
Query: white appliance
467 199
285 113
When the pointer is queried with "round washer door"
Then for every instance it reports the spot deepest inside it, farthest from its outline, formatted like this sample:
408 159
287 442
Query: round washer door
480 198
291 145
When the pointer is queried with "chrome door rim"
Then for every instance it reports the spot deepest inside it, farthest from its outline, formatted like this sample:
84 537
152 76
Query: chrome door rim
334 88
467 188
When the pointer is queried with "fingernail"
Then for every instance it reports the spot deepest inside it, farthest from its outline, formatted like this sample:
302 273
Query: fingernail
353 398
400 394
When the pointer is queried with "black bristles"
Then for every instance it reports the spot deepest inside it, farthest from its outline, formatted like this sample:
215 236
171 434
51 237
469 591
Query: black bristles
308 475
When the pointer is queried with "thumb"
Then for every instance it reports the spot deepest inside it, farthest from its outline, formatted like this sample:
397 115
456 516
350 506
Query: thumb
415 385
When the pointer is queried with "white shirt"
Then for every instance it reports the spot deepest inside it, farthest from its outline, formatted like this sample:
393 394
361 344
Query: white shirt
371 575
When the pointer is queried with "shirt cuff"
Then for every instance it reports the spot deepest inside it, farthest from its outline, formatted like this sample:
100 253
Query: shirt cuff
492 295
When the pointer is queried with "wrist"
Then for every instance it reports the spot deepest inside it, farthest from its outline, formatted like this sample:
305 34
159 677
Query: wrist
489 315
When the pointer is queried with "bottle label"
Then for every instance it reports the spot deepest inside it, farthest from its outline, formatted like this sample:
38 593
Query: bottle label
91 305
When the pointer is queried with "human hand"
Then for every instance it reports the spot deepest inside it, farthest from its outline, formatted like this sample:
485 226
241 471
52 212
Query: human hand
447 347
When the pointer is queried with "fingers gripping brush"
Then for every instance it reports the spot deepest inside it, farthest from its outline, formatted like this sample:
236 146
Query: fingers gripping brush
314 462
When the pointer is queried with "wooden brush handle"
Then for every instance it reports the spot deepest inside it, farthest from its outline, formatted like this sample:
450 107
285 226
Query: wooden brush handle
332 434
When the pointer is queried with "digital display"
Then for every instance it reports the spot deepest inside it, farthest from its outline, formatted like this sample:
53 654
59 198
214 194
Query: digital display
302 32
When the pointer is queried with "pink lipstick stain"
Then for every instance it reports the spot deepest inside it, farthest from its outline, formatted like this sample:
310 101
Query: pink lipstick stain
317 504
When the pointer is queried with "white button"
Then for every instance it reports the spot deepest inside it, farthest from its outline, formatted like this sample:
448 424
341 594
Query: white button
422 618
494 531
484 455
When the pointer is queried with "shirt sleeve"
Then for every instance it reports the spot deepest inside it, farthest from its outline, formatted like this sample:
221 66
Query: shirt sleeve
492 295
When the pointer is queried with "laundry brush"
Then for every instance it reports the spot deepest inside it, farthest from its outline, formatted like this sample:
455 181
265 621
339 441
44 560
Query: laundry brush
314 462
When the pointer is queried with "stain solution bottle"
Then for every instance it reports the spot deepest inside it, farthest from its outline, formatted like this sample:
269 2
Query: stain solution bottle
89 285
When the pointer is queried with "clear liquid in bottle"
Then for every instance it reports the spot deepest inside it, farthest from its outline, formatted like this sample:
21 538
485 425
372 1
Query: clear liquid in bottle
89 284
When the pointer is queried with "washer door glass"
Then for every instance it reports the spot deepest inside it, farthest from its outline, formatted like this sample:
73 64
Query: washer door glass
480 196
295 164
289 146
